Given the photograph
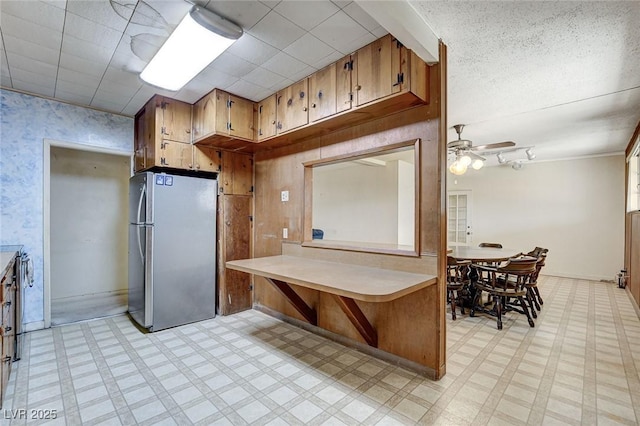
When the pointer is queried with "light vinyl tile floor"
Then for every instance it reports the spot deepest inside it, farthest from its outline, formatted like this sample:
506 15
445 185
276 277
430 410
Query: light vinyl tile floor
579 365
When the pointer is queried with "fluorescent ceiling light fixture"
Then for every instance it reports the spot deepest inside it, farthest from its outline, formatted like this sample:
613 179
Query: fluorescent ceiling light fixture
200 37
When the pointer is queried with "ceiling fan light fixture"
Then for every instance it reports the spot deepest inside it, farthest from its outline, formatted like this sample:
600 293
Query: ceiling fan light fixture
457 168
464 159
200 38
477 164
530 154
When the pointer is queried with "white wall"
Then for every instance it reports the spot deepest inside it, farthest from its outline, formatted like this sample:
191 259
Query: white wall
356 202
89 222
406 203
575 208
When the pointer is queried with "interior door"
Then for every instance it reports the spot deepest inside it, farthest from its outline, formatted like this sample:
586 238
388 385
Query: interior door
459 230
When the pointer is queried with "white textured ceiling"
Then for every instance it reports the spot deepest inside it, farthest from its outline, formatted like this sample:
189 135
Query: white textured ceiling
561 76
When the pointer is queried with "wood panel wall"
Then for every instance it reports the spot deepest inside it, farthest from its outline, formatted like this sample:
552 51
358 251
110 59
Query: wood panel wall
632 235
282 169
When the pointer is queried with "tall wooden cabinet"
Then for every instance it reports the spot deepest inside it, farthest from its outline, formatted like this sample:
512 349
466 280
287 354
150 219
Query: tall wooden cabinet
234 237
235 215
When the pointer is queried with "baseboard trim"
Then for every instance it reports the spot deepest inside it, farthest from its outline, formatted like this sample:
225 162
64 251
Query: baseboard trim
345 341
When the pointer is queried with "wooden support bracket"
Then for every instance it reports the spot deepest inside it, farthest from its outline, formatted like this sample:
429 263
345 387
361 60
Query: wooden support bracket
357 318
300 305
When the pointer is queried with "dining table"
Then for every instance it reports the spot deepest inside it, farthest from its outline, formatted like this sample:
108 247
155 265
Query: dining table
483 254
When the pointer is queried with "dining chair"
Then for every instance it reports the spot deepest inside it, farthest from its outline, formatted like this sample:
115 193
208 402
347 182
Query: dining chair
457 281
506 285
541 254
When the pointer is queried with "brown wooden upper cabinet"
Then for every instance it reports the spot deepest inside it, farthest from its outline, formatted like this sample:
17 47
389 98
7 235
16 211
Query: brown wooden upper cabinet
344 93
266 118
222 115
292 106
322 93
162 140
236 176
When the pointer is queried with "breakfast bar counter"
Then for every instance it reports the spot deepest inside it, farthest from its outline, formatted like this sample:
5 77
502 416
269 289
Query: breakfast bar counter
355 289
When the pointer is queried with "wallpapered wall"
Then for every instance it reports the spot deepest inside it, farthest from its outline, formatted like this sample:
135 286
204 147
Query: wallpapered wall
25 121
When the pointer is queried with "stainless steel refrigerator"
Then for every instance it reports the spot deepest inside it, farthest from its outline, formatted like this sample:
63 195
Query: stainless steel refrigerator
172 249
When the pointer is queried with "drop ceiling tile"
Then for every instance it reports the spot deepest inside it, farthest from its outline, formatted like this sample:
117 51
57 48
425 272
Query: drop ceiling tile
77 88
263 78
244 13
91 32
85 50
5 80
72 97
276 30
247 90
32 65
251 49
83 65
342 3
339 31
306 14
270 3
107 105
356 44
32 87
309 49
302 73
233 65
131 109
287 82
125 59
25 30
114 92
123 77
111 14
329 59
32 50
379 32
38 13
75 77
360 16
162 14
284 65
216 78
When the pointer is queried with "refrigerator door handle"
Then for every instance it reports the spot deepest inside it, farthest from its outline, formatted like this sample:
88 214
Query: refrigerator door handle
148 277
140 228
142 194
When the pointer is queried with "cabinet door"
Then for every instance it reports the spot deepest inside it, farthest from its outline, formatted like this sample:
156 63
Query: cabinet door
240 118
176 120
344 90
175 154
205 116
322 93
292 105
375 78
235 236
267 118
206 159
139 141
237 173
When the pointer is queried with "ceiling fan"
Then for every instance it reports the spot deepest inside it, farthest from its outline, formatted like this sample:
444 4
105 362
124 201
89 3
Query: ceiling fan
463 150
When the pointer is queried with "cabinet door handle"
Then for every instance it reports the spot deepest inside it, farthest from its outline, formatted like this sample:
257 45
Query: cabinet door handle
305 109
313 105
8 303
7 359
358 87
188 131
7 329
273 122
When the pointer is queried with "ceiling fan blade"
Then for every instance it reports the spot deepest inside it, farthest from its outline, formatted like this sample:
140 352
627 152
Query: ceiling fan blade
498 145
475 156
